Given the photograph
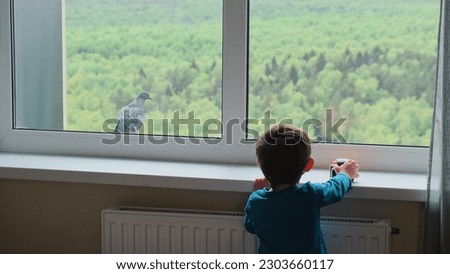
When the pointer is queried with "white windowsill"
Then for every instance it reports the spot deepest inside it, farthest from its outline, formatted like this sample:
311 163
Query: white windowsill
201 176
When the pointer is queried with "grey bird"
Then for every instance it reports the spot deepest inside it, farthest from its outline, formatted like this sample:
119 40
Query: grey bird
131 117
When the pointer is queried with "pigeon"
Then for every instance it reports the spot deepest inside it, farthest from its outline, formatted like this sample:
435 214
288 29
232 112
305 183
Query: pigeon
131 117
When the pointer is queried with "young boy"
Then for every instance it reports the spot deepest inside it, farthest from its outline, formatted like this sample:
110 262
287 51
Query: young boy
286 216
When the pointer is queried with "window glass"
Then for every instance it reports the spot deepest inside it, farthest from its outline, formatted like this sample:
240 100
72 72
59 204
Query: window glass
346 71
113 50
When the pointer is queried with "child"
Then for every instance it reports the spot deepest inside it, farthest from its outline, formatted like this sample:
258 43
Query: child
286 216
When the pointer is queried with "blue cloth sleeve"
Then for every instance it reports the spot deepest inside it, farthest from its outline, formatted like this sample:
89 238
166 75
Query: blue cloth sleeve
333 190
248 224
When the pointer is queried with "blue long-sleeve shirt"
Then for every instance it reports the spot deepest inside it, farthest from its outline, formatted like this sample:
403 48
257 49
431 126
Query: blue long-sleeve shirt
288 221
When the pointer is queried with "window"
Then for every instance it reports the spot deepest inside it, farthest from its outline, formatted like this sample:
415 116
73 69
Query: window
235 66
365 67
114 49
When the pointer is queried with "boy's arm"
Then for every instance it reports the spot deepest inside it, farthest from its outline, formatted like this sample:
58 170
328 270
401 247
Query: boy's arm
248 224
333 190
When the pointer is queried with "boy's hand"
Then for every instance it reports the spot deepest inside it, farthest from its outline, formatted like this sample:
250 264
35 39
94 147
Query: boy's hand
350 167
260 183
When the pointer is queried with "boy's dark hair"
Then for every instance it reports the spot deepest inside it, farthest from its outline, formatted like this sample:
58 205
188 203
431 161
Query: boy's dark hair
283 153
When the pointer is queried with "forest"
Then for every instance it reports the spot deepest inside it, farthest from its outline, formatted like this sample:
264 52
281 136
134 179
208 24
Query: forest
372 63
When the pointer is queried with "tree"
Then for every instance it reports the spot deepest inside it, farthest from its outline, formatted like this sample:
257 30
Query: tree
293 74
274 64
320 63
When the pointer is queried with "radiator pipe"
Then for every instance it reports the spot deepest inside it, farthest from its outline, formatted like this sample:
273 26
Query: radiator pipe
395 231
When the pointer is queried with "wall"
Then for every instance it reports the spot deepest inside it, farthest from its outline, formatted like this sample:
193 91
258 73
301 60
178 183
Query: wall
52 217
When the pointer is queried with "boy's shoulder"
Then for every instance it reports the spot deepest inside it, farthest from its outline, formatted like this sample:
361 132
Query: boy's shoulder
260 193
267 193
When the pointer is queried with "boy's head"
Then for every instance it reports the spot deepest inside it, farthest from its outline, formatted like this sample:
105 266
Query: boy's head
283 153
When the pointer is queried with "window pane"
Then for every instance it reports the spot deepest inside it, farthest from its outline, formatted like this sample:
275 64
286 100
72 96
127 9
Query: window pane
114 49
346 71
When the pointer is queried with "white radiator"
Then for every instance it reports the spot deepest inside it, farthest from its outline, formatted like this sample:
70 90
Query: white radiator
136 230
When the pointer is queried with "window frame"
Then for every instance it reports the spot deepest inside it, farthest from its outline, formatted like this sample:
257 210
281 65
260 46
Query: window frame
232 148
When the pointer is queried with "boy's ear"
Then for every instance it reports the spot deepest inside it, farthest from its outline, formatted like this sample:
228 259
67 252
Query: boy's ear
310 165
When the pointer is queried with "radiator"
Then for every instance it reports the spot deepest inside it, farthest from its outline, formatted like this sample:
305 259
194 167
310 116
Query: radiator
138 230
